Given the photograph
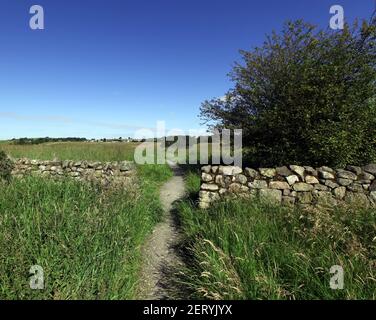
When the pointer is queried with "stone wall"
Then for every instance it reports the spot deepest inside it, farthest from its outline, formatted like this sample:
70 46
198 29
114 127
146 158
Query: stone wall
104 173
290 185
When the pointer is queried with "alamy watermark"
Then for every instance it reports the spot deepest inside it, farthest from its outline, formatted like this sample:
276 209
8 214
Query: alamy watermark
337 21
337 280
37 20
36 278
222 147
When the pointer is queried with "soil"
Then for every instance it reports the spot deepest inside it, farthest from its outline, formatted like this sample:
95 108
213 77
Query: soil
160 253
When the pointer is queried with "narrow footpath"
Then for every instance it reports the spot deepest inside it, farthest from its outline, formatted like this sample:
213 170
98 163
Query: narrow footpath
159 252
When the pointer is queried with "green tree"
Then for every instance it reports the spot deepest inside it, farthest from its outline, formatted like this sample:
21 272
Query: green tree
305 96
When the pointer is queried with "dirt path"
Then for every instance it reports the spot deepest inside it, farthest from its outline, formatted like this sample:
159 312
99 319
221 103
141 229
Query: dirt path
160 252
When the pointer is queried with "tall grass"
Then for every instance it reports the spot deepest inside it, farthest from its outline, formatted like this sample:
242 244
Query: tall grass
86 239
192 183
253 250
114 151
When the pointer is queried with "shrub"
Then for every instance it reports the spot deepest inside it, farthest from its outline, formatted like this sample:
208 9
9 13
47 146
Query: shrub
305 96
6 167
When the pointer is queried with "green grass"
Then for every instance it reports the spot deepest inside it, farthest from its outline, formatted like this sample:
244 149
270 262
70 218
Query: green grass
252 250
86 239
192 182
114 151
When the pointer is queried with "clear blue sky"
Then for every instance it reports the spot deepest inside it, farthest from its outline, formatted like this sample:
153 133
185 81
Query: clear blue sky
102 68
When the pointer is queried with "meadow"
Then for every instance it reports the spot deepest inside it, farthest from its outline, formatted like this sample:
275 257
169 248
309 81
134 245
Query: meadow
94 151
87 239
255 250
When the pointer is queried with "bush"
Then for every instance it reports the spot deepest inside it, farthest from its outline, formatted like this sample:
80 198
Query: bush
6 167
305 97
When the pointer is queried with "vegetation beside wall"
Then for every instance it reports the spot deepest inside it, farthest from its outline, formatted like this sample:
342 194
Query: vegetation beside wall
246 249
86 239
6 167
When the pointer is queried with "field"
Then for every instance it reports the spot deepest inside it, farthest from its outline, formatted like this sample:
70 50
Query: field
98 151
87 239
253 250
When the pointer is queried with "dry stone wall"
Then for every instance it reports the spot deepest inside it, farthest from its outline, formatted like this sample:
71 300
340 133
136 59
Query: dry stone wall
102 172
290 185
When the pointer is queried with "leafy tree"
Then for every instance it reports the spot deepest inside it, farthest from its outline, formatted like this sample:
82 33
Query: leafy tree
305 96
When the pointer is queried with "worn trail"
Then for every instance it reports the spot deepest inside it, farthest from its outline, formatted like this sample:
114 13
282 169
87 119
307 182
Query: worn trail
159 252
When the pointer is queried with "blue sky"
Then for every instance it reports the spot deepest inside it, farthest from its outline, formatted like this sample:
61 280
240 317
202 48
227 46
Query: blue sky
104 68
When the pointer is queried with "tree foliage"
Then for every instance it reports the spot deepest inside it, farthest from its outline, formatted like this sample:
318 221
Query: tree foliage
305 96
30 141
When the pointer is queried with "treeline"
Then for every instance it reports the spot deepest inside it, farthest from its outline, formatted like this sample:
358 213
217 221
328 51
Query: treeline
188 140
24 141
